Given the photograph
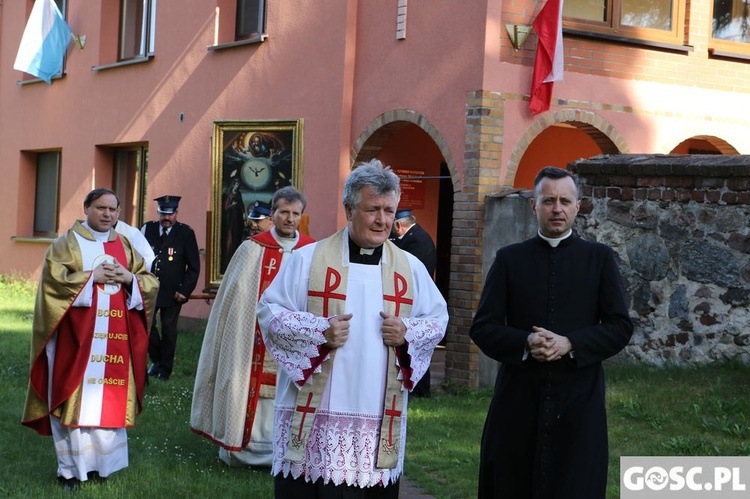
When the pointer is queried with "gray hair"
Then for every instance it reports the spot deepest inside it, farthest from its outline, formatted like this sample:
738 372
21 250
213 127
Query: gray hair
290 195
373 174
555 174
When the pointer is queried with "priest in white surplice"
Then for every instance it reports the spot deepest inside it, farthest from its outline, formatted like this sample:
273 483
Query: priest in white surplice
352 321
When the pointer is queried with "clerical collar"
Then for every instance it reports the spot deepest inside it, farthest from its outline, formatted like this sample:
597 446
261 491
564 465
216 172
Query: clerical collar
554 242
98 236
366 256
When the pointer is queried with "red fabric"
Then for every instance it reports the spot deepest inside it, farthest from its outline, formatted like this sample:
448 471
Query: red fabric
546 25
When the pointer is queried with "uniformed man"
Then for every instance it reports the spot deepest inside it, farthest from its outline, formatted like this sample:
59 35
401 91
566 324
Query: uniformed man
259 218
177 266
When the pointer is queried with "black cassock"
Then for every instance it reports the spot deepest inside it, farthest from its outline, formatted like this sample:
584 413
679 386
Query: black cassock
546 431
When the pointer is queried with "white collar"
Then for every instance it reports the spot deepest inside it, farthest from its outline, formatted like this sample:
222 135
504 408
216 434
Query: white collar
557 240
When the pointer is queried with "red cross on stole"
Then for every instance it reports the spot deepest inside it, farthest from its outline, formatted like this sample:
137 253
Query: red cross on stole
332 282
399 291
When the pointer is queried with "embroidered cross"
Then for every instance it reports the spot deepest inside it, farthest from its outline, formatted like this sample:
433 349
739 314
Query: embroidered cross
330 287
271 266
305 410
393 413
399 287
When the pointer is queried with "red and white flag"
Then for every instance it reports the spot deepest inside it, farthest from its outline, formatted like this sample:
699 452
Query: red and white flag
548 65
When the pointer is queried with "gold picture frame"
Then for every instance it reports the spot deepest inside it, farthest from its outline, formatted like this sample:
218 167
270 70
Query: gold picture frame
250 161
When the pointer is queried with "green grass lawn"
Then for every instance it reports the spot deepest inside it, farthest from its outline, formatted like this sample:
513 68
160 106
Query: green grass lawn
698 411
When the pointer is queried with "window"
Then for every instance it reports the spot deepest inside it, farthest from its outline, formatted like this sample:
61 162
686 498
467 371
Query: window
130 167
46 193
650 20
730 31
137 27
251 19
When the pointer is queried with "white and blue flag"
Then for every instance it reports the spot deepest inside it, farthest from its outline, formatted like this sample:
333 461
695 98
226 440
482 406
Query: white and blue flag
44 42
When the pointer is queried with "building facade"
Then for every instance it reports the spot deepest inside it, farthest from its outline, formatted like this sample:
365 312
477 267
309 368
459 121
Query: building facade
164 97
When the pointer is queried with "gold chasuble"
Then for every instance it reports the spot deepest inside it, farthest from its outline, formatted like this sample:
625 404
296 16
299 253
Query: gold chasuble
326 298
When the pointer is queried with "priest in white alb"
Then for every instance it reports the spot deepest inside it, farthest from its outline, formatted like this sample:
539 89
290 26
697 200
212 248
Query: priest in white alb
352 321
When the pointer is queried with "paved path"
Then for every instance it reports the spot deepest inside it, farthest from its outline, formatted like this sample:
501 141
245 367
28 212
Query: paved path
409 490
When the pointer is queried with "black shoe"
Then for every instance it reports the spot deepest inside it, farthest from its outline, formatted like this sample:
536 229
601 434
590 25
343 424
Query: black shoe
95 477
162 377
69 484
154 370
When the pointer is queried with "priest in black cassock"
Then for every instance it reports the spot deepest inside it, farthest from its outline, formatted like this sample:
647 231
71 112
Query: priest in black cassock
552 309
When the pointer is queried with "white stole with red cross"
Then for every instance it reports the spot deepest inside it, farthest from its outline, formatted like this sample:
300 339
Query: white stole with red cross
326 298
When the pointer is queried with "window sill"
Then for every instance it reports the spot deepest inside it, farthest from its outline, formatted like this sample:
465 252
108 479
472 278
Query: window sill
725 54
137 60
39 80
33 239
629 41
250 41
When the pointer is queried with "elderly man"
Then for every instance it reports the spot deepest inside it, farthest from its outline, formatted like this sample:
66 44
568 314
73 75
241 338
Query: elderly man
235 383
352 321
552 309
90 338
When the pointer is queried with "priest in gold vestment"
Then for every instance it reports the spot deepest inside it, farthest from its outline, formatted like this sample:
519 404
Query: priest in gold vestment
89 344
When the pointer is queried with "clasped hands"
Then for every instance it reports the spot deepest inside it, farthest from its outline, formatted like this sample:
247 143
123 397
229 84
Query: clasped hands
546 346
112 273
393 330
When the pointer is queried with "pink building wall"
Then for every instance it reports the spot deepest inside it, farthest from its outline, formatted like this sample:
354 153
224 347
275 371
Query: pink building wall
338 66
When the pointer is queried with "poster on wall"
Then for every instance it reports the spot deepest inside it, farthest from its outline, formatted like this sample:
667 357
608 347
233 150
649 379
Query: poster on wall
250 161
412 188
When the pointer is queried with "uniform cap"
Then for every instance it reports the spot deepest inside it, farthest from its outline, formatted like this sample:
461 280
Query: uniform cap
402 213
260 211
167 204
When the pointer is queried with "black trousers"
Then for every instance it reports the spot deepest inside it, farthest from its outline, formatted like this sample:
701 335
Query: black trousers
161 348
286 488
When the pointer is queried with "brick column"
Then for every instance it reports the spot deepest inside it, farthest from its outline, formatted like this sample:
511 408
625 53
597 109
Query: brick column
482 165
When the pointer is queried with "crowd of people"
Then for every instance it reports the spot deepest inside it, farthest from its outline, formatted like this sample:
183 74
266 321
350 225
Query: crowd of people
312 348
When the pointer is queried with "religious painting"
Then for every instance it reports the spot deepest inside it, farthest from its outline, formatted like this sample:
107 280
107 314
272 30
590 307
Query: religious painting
250 161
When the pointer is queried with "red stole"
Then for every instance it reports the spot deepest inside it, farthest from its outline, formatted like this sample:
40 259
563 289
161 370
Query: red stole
99 337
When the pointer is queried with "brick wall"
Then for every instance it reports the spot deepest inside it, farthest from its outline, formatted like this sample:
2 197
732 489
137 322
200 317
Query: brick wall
482 166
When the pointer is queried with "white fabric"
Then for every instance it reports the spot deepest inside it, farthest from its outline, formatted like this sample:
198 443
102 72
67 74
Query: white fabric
345 432
138 240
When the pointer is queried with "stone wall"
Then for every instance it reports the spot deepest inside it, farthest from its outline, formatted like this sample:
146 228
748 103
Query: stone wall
681 228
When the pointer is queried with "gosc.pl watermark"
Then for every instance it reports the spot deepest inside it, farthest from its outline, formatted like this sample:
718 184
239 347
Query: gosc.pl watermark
708 477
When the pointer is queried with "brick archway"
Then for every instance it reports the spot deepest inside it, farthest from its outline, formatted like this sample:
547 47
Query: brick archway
378 131
609 140
721 145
